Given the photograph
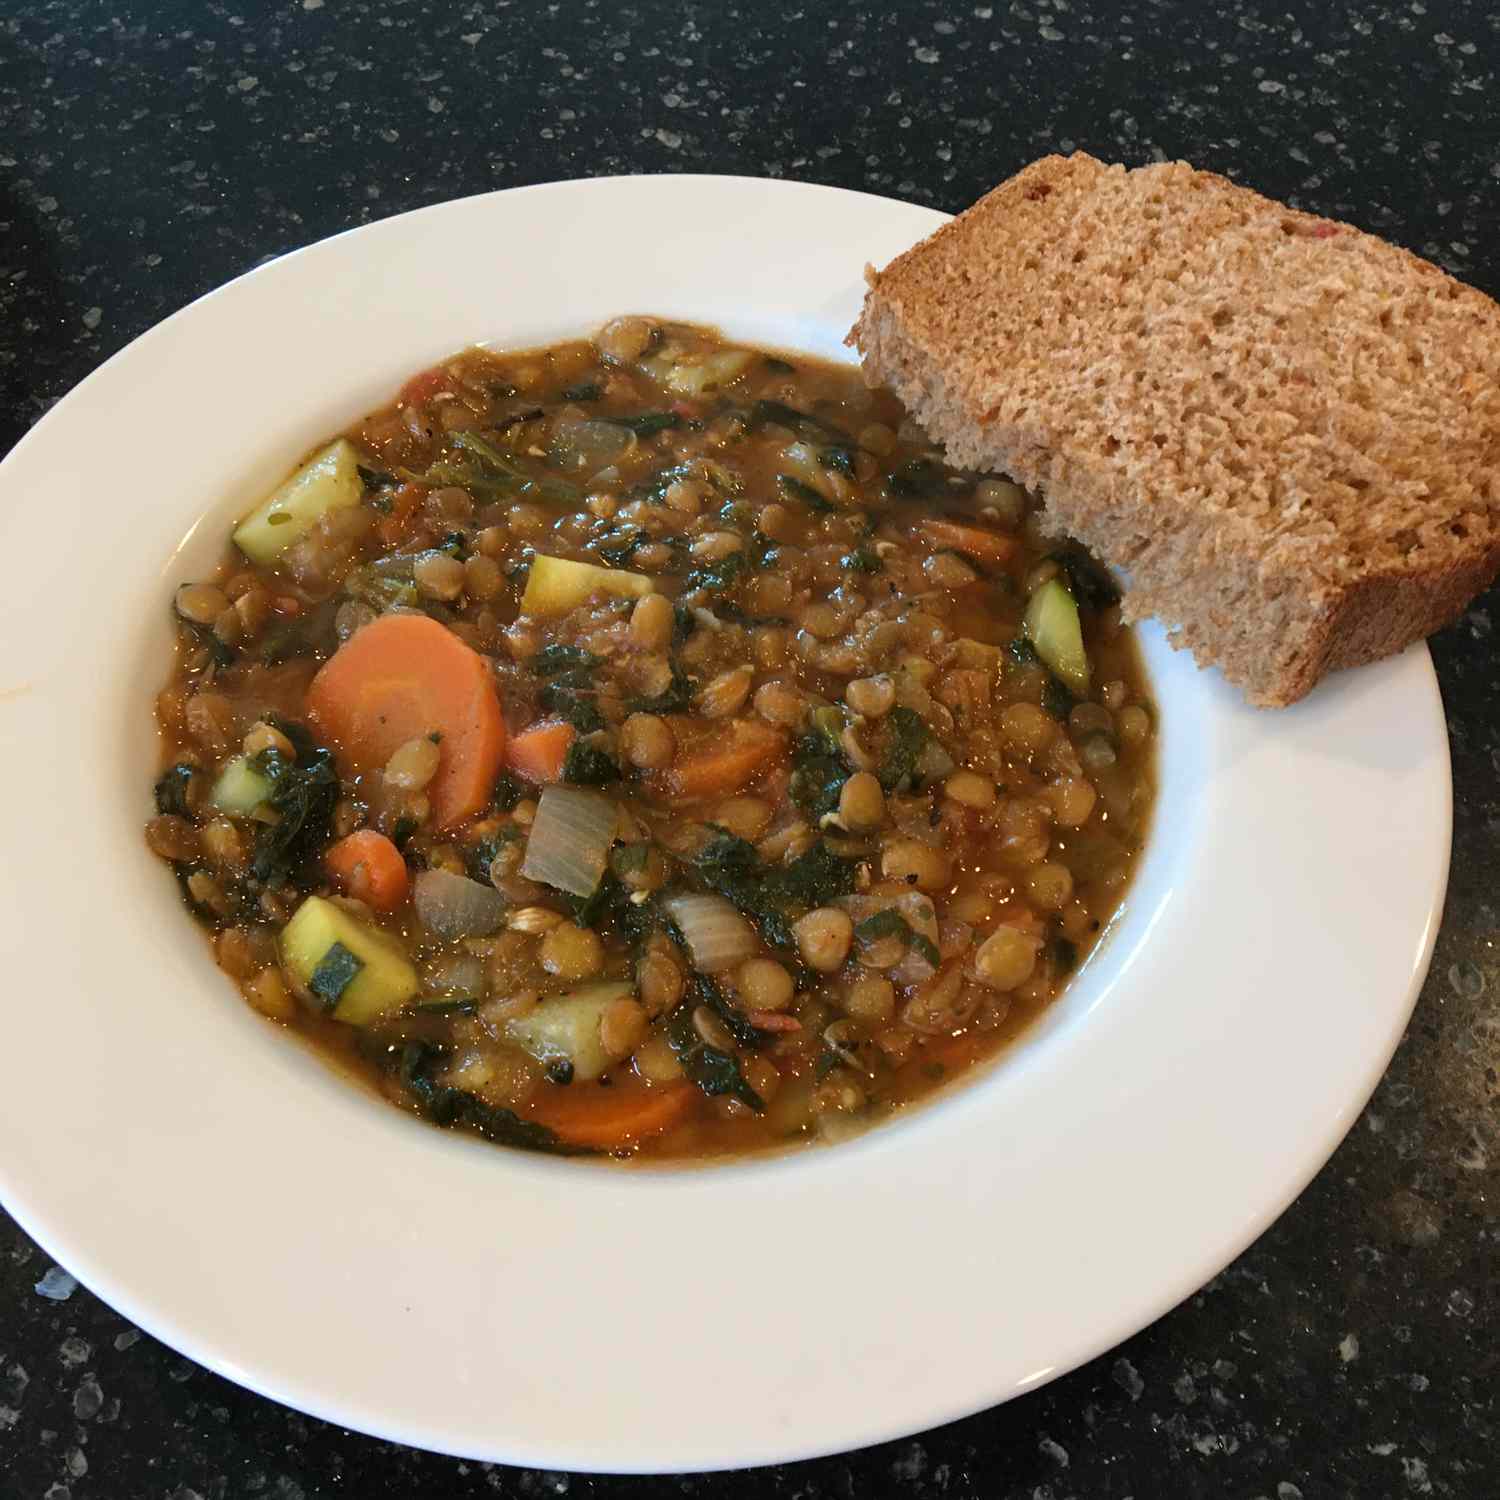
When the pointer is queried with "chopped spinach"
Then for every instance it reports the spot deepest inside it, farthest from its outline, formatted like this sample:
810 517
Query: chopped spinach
478 857
675 698
508 791
712 1071
684 623
840 458
735 1022
819 766
804 424
890 923
551 660
620 554
773 896
171 789
588 390
604 901
308 634
798 490
648 423
304 792
455 544
401 834
918 478
586 765
1088 581
1023 653
219 654
1057 697
906 735
445 1105
720 575
777 366
336 971
572 705
375 479
863 560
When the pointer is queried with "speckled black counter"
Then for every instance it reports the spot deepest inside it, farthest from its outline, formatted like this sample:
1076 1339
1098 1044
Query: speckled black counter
149 152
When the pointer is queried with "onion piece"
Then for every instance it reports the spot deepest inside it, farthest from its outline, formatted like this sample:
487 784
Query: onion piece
716 934
453 906
570 839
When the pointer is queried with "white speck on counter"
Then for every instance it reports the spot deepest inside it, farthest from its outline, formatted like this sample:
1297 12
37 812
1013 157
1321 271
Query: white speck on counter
92 317
1349 1348
1415 1471
74 1351
124 1340
57 1285
1054 1450
1127 1377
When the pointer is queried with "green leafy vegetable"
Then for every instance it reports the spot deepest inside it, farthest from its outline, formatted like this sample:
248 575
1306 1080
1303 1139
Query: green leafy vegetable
675 698
773 896
1064 954
445 1105
509 790
839 458
478 857
718 576
905 737
712 1071
919 478
586 765
552 659
1023 653
1057 697
863 560
171 789
890 923
589 390
649 423
798 490
1088 581
375 479
304 792
819 766
804 424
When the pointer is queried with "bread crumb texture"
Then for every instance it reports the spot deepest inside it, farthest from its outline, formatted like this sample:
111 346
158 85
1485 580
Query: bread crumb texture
1286 431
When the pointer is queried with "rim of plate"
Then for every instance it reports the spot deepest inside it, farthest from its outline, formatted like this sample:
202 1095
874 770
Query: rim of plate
232 1196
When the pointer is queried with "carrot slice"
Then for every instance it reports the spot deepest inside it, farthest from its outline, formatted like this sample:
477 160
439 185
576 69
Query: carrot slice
391 527
424 386
404 676
369 867
974 541
609 1119
744 749
538 753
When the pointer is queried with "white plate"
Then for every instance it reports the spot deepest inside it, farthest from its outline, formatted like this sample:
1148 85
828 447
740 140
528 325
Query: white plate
223 1190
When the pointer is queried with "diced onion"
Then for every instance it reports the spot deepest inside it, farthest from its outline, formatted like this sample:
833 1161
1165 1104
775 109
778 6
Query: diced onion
453 906
717 935
570 839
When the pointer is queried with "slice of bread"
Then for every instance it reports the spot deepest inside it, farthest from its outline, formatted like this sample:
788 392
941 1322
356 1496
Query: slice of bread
1285 431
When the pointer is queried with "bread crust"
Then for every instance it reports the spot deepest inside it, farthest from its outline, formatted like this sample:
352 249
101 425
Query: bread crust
1284 431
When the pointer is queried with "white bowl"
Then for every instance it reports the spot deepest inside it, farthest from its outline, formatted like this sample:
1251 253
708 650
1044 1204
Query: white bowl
223 1189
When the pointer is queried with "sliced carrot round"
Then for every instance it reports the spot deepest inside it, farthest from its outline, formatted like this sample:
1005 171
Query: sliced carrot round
369 867
538 752
610 1119
739 751
404 676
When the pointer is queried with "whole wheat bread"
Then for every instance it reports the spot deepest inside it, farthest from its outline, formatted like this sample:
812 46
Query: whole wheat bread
1286 431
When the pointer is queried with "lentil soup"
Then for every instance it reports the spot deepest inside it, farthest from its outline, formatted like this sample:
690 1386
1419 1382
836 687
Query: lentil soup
647 746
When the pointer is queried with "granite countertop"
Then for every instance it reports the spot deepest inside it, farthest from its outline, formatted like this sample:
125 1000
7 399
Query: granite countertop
149 152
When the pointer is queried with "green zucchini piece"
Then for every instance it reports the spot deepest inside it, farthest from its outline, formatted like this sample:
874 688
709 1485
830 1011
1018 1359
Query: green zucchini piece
239 788
1053 627
357 972
328 481
566 1028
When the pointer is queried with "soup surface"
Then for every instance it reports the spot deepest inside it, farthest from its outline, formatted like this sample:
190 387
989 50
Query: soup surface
647 746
